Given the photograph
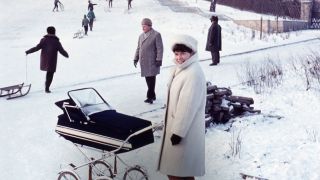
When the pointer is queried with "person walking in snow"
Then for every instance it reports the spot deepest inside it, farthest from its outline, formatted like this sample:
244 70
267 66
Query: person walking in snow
149 52
50 46
56 5
91 18
182 153
214 41
90 5
129 4
85 23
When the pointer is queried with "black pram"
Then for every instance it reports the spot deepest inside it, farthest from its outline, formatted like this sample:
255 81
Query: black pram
89 120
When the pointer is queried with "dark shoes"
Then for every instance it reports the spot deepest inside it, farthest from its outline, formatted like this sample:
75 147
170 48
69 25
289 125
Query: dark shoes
150 101
213 64
48 91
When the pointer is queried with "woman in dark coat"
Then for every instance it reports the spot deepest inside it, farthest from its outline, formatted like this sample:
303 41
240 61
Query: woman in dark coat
49 45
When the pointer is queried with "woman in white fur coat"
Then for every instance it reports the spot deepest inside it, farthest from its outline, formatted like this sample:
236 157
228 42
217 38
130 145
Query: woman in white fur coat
182 154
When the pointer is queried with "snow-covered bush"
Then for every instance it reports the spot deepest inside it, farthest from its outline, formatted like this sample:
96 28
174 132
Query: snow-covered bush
308 69
262 77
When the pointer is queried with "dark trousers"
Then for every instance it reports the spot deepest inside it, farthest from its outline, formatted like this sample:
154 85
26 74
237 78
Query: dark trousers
215 57
90 24
49 78
55 6
151 83
85 30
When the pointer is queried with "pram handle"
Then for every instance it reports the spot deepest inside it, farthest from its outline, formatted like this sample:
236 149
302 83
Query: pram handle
137 133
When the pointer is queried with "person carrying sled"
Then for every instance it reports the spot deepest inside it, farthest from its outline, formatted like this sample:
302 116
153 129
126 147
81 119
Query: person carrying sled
85 23
50 46
90 5
91 18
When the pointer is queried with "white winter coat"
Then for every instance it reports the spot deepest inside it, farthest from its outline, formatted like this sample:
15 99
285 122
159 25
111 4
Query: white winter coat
185 117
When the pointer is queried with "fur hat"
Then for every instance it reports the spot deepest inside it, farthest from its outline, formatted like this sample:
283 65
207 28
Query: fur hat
51 30
186 40
146 21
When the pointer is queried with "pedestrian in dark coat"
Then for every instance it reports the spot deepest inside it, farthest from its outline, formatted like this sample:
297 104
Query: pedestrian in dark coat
110 3
214 40
85 23
49 45
90 5
91 17
149 53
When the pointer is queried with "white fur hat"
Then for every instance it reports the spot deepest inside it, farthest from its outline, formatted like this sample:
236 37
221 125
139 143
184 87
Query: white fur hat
187 40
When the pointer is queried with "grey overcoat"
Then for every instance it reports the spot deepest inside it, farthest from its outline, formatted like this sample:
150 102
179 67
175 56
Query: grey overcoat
149 50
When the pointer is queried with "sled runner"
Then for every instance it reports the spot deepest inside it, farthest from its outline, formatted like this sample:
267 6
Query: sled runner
15 91
79 34
89 121
246 176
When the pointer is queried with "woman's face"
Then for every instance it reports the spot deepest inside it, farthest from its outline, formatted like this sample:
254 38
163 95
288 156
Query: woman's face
181 57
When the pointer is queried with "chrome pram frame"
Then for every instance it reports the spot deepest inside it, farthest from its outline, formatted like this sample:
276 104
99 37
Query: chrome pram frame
99 168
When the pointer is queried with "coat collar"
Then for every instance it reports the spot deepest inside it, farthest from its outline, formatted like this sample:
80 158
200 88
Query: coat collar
180 67
51 36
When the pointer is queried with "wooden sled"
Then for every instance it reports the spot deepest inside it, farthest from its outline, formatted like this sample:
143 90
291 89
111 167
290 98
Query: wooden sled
14 91
246 176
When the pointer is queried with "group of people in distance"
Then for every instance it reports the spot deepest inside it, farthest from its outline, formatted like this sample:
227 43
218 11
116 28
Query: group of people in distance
182 153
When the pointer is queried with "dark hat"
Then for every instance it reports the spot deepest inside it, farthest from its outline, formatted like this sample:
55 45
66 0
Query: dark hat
181 48
51 30
214 18
146 21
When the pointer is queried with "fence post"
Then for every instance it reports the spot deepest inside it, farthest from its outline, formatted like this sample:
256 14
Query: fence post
261 28
306 10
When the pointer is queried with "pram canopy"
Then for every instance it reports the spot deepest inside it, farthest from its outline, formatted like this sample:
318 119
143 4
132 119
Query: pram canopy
89 120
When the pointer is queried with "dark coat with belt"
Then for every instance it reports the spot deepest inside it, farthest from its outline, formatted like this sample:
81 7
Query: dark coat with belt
214 38
49 45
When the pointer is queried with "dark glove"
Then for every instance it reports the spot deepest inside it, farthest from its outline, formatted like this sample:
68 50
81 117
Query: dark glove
135 62
158 63
27 53
175 139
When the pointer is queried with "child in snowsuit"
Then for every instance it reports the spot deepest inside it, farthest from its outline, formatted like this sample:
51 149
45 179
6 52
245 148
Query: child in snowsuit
85 23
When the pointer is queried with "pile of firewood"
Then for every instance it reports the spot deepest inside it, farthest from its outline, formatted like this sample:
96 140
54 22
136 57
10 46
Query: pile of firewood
221 106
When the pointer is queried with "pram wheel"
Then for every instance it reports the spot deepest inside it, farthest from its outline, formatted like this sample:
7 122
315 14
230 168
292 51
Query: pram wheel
101 168
135 173
67 175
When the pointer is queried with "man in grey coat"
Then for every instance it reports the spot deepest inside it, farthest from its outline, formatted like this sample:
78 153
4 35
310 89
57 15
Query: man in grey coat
149 53
49 45
214 41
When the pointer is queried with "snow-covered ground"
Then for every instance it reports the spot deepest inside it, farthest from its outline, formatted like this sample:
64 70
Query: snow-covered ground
275 148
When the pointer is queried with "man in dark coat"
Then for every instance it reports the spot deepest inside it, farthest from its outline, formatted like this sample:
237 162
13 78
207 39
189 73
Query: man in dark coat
49 46
214 40
149 53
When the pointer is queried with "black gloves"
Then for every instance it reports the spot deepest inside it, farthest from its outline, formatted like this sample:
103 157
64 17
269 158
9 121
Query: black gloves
175 139
158 63
135 62
27 53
